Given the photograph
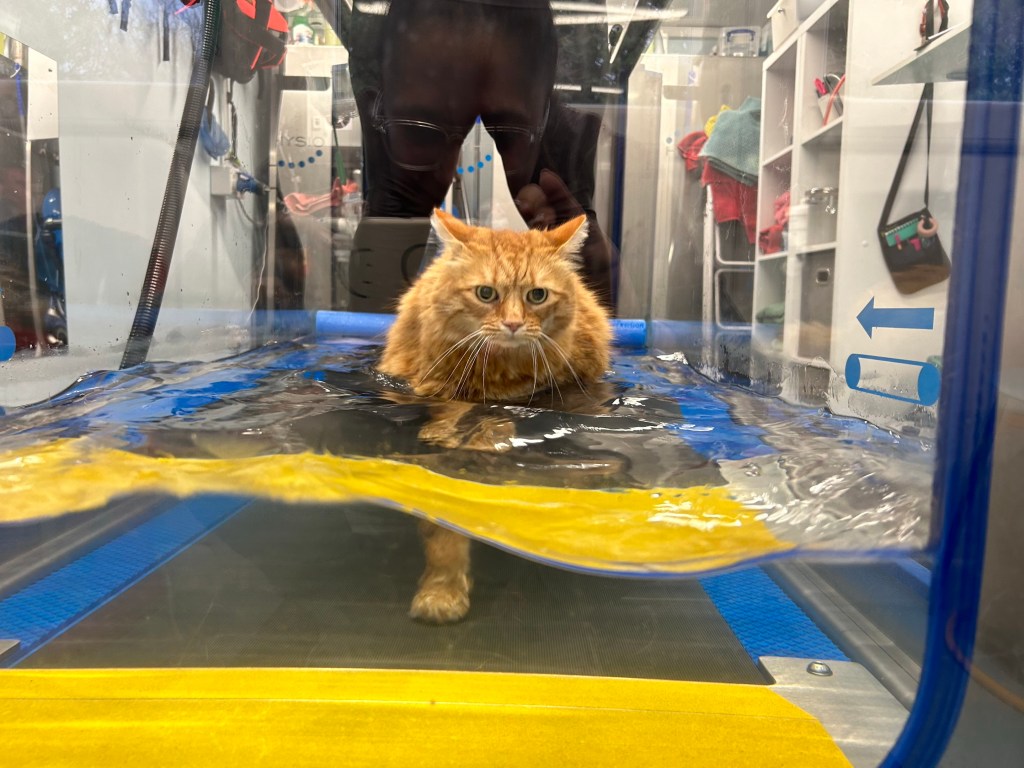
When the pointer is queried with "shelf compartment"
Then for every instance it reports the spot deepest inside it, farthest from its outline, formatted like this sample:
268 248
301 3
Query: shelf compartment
734 297
818 169
770 292
778 103
824 54
773 182
817 280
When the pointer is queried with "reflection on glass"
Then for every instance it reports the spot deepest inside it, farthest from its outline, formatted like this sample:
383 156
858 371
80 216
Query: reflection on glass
710 155
32 295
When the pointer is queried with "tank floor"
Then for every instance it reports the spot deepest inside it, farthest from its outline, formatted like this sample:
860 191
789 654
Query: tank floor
323 586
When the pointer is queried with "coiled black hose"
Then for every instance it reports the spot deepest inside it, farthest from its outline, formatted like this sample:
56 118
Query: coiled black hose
152 294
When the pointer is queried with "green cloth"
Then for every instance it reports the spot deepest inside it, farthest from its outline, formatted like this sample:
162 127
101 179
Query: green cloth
773 313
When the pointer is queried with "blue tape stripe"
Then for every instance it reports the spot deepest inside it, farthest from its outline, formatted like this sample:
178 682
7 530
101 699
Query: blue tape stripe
44 609
765 620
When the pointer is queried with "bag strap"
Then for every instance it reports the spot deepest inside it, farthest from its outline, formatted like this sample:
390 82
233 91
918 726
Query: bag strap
924 107
943 16
927 28
928 88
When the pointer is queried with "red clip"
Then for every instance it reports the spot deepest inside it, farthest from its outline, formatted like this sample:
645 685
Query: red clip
248 7
277 22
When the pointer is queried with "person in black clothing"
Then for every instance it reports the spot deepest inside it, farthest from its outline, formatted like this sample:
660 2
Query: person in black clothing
426 69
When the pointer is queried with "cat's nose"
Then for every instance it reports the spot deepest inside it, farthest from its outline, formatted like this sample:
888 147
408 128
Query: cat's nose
512 325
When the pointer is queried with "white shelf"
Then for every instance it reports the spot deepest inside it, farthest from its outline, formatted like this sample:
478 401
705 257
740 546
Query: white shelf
943 60
772 159
827 135
786 47
815 248
813 159
820 12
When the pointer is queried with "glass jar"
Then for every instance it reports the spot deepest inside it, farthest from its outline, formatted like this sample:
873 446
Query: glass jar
822 210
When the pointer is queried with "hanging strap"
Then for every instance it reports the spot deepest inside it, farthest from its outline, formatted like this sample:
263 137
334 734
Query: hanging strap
126 6
943 17
166 22
924 107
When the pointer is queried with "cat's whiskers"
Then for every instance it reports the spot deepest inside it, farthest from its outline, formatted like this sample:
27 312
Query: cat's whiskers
483 371
533 354
467 371
551 377
450 349
466 353
452 371
560 351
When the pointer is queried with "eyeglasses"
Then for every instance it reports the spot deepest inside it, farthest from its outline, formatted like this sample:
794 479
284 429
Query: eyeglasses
417 145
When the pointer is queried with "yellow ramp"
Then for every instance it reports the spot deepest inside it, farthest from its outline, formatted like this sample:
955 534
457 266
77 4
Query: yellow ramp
350 718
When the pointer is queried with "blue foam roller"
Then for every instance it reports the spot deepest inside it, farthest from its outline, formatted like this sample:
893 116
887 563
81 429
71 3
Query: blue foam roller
630 333
367 325
7 343
361 325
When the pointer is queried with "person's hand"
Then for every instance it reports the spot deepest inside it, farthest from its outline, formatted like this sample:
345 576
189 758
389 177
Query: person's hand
547 203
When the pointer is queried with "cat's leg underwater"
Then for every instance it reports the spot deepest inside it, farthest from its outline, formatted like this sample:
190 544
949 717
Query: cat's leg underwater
443 595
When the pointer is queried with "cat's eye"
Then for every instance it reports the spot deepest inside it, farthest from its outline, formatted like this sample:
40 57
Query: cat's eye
537 295
486 293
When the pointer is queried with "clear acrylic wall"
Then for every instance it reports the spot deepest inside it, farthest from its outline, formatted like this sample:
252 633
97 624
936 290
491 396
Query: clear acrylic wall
772 188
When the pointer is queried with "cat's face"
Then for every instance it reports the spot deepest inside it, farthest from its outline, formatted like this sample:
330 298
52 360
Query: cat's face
511 287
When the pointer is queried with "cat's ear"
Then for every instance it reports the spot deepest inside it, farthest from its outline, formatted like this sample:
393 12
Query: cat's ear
449 228
568 238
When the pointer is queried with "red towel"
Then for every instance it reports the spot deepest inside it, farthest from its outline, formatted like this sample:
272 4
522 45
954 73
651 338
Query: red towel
771 238
732 200
689 147
782 208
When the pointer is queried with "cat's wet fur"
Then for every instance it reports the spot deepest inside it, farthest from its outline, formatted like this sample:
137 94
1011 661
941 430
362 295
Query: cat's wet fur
498 316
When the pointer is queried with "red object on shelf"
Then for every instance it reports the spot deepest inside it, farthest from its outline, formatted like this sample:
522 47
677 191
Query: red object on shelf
732 200
770 238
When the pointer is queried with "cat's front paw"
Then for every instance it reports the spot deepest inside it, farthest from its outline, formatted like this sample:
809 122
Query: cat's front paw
491 435
440 603
442 434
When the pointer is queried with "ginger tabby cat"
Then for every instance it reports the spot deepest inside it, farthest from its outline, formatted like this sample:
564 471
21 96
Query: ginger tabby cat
498 317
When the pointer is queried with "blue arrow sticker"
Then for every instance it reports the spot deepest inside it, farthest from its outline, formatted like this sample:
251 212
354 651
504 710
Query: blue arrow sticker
908 319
